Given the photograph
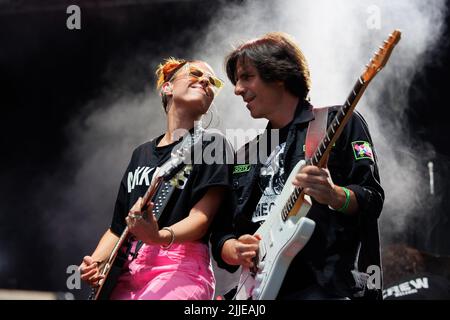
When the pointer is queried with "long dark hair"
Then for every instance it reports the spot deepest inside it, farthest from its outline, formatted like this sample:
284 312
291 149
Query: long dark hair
277 58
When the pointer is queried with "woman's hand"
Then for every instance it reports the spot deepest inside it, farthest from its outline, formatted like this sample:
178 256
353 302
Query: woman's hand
89 271
146 230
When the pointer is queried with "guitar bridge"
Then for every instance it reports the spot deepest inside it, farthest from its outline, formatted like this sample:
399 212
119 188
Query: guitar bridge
258 260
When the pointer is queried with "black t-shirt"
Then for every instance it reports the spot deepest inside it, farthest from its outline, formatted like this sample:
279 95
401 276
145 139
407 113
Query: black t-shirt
271 177
190 187
418 287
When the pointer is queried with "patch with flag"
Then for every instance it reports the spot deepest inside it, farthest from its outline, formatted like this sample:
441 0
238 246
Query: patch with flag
362 150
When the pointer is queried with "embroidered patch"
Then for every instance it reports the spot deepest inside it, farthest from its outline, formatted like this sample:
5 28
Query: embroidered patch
241 168
362 150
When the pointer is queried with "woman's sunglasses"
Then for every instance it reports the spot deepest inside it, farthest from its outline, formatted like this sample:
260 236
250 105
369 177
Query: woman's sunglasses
197 74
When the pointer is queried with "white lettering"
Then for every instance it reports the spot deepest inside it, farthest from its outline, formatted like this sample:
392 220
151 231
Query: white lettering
201 310
374 20
74 20
420 283
73 281
145 176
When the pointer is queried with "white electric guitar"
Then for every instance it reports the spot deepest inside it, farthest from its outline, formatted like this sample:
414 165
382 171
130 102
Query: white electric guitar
287 229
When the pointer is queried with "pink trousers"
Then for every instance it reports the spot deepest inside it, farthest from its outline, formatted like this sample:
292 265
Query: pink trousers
183 272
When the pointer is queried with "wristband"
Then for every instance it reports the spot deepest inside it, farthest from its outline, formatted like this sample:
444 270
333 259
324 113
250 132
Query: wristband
344 208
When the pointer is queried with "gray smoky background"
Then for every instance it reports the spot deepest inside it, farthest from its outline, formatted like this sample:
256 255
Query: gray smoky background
338 39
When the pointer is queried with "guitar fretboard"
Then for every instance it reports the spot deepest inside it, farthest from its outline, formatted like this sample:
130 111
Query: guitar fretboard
330 137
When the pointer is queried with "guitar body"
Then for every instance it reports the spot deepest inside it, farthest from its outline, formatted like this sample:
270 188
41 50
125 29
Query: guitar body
280 243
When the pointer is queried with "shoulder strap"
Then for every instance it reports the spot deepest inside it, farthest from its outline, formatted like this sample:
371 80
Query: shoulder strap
317 129
165 191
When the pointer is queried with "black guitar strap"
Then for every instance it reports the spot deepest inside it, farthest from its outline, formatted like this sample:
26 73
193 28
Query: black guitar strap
161 199
163 195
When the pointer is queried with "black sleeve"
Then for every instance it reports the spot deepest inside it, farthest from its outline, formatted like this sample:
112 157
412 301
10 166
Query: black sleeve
362 170
212 170
223 227
364 180
217 174
207 176
222 230
122 202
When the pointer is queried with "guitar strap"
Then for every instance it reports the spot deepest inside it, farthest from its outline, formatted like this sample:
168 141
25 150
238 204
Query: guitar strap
317 129
163 194
161 199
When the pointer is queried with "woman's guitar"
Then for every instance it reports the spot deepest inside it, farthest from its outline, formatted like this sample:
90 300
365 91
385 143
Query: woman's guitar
162 185
287 229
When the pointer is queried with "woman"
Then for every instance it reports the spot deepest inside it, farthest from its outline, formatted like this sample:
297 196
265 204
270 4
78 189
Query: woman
173 262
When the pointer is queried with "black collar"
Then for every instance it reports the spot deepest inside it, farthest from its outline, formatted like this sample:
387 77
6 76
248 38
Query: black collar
303 114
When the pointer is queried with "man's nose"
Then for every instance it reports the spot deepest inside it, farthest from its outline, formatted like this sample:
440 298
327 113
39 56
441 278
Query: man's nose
239 90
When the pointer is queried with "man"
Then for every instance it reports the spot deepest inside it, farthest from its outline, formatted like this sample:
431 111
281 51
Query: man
271 74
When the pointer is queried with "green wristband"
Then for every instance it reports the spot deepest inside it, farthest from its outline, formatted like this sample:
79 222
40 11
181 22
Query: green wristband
344 208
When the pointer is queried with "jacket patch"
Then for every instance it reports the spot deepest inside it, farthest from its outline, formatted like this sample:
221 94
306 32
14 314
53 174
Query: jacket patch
241 168
362 150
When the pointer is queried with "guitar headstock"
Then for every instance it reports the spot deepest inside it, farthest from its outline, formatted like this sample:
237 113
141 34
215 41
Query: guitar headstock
381 57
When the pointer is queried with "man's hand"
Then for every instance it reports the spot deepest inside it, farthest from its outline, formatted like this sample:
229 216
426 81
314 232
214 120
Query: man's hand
317 183
241 251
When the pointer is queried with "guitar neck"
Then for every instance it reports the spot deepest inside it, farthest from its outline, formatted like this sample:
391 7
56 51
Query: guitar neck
323 149
320 156
123 237
337 125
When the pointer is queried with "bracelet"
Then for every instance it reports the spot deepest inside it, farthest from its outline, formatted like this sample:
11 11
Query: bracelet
344 208
171 240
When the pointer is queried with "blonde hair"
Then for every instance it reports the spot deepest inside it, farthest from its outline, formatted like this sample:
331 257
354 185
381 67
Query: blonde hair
166 70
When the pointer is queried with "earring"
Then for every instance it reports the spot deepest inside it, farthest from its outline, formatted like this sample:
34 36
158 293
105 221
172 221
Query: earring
169 88
166 89
205 122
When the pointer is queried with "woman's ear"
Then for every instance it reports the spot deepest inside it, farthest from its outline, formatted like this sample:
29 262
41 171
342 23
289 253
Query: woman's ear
167 89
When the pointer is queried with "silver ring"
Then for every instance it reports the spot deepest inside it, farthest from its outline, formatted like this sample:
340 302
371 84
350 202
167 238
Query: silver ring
135 216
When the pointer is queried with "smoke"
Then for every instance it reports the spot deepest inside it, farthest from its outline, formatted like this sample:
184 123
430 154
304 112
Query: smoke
78 200
338 39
